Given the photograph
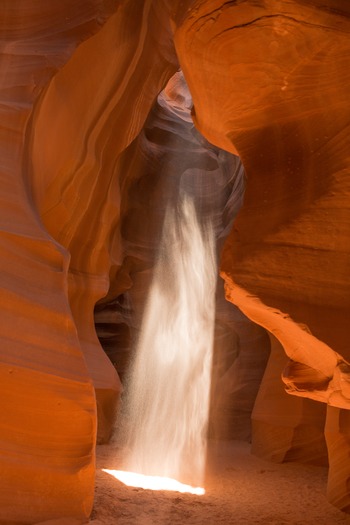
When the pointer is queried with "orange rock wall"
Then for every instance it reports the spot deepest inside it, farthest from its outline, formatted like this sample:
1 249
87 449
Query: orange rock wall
269 80
73 93
103 96
337 432
286 428
47 413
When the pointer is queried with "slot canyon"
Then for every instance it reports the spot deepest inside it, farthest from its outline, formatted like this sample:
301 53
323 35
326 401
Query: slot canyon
111 112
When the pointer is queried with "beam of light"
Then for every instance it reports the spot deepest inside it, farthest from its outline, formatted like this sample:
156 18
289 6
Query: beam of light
132 479
166 409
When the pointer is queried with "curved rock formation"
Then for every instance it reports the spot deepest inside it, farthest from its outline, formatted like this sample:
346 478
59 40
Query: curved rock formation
337 433
55 259
270 82
252 71
286 428
78 180
48 414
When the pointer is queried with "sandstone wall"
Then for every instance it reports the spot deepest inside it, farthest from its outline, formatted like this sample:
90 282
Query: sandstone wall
48 414
269 81
75 90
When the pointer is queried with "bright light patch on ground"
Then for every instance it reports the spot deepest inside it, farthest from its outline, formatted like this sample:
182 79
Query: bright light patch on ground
131 479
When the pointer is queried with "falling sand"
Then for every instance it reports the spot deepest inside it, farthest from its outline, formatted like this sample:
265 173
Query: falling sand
166 406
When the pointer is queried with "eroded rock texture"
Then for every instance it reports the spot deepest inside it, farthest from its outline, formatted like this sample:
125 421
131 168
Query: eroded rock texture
338 439
78 181
289 246
286 428
269 81
59 215
48 414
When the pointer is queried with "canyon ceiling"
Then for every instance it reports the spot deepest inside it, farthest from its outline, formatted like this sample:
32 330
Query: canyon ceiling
79 79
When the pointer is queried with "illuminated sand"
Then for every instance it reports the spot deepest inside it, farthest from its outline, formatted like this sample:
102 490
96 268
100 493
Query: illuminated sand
240 490
164 424
132 479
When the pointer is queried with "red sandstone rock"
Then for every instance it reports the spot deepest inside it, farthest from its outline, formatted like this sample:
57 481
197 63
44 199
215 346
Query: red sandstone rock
270 81
77 179
60 146
337 436
289 246
48 413
286 428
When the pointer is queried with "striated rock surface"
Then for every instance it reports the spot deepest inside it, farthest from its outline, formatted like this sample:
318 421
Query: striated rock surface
59 214
78 179
269 81
337 432
241 351
253 71
48 414
286 428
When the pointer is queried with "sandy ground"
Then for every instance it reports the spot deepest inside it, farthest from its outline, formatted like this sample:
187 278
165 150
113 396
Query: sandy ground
240 489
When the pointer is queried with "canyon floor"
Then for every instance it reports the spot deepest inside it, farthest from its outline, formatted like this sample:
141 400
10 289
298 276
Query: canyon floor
240 489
